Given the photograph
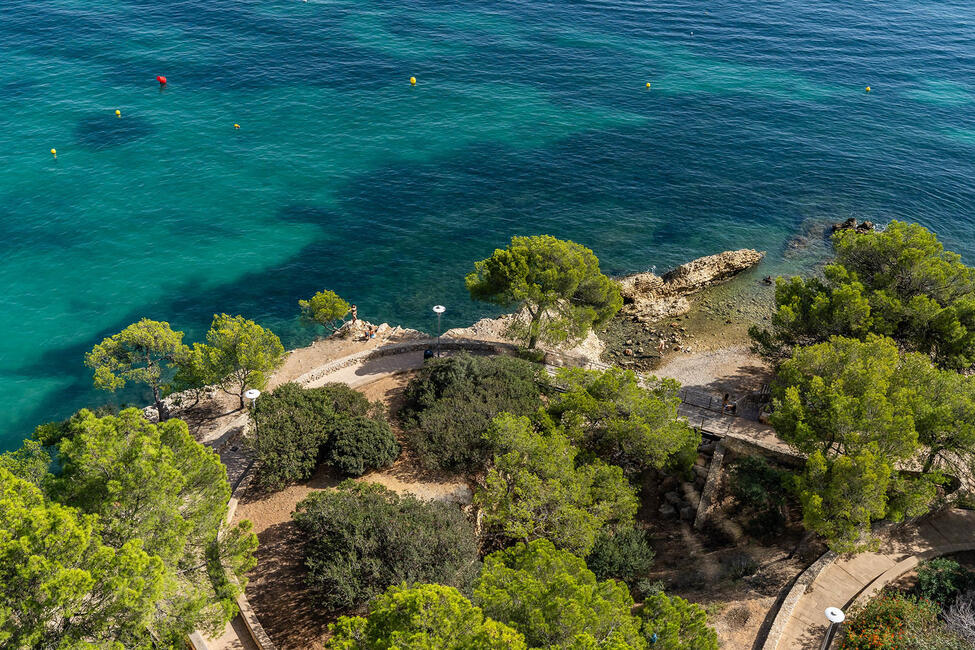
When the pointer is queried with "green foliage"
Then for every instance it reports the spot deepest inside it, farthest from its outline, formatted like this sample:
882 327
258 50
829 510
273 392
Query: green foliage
156 486
610 414
624 555
140 353
899 283
760 490
423 617
535 489
30 462
60 586
941 580
557 282
325 308
450 405
898 622
362 538
554 600
848 404
677 624
295 427
291 425
359 444
239 354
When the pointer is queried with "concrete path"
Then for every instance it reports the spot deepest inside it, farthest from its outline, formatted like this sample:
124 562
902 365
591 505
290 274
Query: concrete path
848 580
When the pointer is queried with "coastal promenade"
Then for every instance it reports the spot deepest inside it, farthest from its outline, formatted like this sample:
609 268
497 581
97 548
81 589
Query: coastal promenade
845 581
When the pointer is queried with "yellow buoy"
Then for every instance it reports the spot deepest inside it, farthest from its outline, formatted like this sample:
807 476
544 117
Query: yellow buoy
412 81
118 113
868 88
648 84
236 126
54 152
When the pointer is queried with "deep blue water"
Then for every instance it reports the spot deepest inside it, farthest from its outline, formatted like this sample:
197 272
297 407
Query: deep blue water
528 117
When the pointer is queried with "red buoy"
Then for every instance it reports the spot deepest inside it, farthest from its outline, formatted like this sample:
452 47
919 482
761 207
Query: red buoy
161 79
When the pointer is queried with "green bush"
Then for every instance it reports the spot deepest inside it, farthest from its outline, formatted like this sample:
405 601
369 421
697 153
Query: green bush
362 538
294 425
359 444
893 622
625 555
450 405
941 580
760 491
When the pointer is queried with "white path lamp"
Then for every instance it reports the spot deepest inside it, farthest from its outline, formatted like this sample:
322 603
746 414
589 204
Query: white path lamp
835 616
438 310
252 394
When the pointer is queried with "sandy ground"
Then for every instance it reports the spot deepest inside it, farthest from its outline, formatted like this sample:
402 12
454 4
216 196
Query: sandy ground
734 369
276 589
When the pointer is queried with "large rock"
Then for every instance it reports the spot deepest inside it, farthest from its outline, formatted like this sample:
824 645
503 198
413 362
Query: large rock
650 297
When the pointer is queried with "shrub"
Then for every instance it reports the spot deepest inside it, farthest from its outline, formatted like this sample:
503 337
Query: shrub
293 425
740 565
960 618
450 405
888 622
359 444
362 538
759 489
625 555
940 580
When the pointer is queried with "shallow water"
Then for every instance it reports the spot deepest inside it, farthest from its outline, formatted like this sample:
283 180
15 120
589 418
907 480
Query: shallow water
528 117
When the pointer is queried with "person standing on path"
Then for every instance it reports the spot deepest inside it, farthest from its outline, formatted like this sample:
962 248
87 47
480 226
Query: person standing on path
355 314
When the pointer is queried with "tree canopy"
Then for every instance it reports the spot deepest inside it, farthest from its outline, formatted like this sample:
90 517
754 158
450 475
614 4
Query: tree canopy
676 624
239 354
558 283
450 405
155 484
536 489
610 414
140 353
850 405
325 308
423 617
552 598
133 533
899 283
362 538
60 586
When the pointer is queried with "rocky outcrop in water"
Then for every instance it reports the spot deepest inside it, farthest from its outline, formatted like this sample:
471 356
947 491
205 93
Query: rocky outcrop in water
649 297
852 224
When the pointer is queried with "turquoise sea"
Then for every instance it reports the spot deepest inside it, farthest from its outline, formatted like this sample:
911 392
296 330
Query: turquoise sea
528 117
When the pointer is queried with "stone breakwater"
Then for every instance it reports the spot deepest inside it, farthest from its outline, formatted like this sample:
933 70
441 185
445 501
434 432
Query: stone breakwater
648 297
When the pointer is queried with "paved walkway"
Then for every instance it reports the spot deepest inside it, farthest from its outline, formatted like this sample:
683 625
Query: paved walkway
844 581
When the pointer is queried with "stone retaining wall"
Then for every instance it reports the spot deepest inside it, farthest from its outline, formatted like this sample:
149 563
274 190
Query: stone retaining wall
788 606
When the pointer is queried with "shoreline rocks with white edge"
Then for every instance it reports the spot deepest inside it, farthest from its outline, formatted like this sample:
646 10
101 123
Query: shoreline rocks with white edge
648 297
589 348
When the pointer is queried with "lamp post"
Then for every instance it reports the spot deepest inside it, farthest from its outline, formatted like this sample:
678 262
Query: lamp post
252 394
835 616
438 310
